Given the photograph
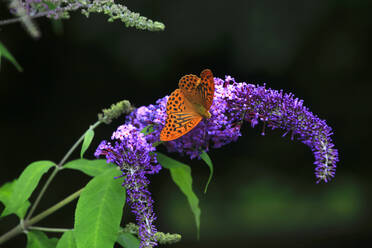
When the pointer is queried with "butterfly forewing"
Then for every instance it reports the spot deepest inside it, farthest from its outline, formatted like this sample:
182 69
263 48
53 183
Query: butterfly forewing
181 117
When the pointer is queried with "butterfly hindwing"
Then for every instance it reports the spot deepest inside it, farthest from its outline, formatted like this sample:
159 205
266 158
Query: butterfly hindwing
188 85
181 118
206 88
199 90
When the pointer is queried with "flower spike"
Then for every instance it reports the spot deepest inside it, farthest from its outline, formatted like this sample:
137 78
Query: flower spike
233 103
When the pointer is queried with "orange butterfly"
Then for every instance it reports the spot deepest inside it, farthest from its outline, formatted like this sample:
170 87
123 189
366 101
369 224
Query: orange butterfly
187 105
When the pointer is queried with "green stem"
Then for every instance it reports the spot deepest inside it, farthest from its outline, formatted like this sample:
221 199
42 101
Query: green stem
48 229
41 14
57 168
54 208
27 223
92 127
54 173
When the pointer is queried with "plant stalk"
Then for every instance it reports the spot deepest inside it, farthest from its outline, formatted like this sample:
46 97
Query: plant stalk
28 223
57 168
41 14
92 127
54 173
49 229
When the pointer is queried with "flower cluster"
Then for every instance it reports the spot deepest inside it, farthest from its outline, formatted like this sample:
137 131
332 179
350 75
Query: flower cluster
233 104
133 154
55 9
277 109
58 9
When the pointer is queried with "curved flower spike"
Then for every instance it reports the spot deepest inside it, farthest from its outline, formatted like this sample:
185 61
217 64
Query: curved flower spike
233 104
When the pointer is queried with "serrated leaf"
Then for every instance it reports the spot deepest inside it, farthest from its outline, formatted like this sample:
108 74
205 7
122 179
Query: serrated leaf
90 167
6 54
99 211
128 240
5 196
26 184
38 239
88 137
181 175
208 161
67 240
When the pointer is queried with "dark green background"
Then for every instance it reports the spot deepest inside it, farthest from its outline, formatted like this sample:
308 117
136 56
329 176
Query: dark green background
263 193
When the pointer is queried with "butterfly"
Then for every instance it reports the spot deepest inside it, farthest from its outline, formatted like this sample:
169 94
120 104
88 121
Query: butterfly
188 105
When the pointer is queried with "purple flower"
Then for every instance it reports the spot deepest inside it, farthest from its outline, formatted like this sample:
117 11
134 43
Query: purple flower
233 104
55 9
282 110
31 7
135 157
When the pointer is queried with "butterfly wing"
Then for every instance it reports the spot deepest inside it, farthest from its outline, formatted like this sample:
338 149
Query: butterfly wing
206 87
181 118
198 90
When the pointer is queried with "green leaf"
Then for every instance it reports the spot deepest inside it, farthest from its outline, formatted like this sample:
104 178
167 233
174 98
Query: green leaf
26 184
208 161
67 240
99 211
148 129
50 5
6 191
6 54
38 239
181 175
5 196
128 240
90 167
21 212
88 137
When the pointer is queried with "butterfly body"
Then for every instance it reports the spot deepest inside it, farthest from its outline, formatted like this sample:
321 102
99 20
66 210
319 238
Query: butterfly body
188 105
201 110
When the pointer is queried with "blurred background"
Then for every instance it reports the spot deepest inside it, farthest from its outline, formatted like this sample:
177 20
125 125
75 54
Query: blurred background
263 193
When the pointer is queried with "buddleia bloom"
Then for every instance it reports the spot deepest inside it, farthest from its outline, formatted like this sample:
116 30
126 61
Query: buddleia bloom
133 154
60 9
277 109
233 104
